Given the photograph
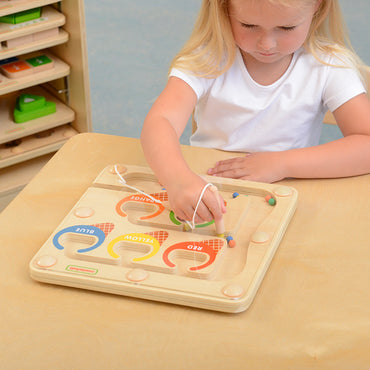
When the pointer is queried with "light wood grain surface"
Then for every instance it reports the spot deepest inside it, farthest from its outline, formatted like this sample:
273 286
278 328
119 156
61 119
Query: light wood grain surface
311 311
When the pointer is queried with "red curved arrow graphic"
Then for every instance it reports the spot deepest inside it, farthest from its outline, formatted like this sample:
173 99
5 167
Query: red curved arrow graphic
210 248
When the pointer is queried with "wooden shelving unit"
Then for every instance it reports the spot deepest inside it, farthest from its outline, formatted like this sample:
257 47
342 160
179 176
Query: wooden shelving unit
59 34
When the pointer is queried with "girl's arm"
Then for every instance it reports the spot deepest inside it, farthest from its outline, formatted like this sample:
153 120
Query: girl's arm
348 156
162 129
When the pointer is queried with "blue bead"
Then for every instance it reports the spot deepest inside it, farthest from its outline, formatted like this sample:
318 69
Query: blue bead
235 195
229 238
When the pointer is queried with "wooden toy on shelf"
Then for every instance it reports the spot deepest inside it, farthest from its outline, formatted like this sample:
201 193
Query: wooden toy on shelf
32 38
32 146
23 16
121 237
31 99
40 63
18 68
29 107
33 35
8 60
30 69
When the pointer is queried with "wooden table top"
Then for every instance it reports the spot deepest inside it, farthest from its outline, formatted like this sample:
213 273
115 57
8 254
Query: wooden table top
311 310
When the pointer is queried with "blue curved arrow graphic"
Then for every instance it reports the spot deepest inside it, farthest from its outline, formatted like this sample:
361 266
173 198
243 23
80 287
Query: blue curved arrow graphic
83 230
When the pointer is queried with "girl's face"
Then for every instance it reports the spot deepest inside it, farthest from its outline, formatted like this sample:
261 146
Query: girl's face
269 32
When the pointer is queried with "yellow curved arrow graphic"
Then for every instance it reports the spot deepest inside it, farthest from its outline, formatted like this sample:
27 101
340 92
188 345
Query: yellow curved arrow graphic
136 238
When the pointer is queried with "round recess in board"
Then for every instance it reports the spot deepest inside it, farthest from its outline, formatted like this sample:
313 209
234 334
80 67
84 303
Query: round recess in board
46 261
120 168
283 191
137 275
260 237
233 291
83 212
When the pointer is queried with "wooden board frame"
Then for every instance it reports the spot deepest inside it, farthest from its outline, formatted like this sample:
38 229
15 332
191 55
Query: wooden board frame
130 258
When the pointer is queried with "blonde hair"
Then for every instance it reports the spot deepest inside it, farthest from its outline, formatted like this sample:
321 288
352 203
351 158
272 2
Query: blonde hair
210 51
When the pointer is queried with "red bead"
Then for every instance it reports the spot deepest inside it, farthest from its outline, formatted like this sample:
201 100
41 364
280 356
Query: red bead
232 243
267 198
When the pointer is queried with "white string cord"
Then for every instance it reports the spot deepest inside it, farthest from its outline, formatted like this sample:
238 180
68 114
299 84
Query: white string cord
191 224
123 182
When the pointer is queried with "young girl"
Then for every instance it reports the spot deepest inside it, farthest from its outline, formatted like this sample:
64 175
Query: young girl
259 76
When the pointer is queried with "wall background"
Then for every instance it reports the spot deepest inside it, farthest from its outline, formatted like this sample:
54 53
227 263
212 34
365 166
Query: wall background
130 47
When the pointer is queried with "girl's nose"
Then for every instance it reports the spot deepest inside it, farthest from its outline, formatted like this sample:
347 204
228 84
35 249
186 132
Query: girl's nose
266 42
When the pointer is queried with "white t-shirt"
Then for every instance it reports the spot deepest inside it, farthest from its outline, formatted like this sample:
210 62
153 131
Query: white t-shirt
235 113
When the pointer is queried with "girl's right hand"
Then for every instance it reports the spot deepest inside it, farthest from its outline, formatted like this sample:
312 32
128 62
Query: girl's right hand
184 193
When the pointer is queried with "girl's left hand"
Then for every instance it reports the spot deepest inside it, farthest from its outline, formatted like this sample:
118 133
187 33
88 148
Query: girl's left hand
262 167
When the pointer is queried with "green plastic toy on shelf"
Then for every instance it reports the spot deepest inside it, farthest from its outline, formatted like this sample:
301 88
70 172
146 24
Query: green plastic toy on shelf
20 17
30 107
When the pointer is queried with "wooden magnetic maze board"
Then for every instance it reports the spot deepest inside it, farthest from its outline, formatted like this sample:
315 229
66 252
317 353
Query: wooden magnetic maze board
120 241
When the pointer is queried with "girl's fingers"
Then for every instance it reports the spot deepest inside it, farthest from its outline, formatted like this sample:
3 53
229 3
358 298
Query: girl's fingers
203 214
229 168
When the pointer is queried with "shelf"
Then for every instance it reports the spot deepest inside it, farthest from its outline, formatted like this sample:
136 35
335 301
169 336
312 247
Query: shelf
62 28
15 6
35 45
10 131
60 69
50 18
35 146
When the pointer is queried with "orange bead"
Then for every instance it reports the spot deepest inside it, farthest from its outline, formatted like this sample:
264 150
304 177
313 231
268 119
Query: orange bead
232 243
267 198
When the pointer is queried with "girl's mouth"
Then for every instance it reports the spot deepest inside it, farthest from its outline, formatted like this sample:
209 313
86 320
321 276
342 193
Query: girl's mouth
266 54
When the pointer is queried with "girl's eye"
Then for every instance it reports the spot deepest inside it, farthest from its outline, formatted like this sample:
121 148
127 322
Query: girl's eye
290 28
246 25
284 28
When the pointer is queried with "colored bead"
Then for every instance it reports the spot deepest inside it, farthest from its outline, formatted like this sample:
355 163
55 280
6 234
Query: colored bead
267 198
186 227
272 201
235 195
232 243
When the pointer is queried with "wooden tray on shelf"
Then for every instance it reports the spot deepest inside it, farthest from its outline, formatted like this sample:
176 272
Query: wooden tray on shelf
9 130
31 36
60 69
